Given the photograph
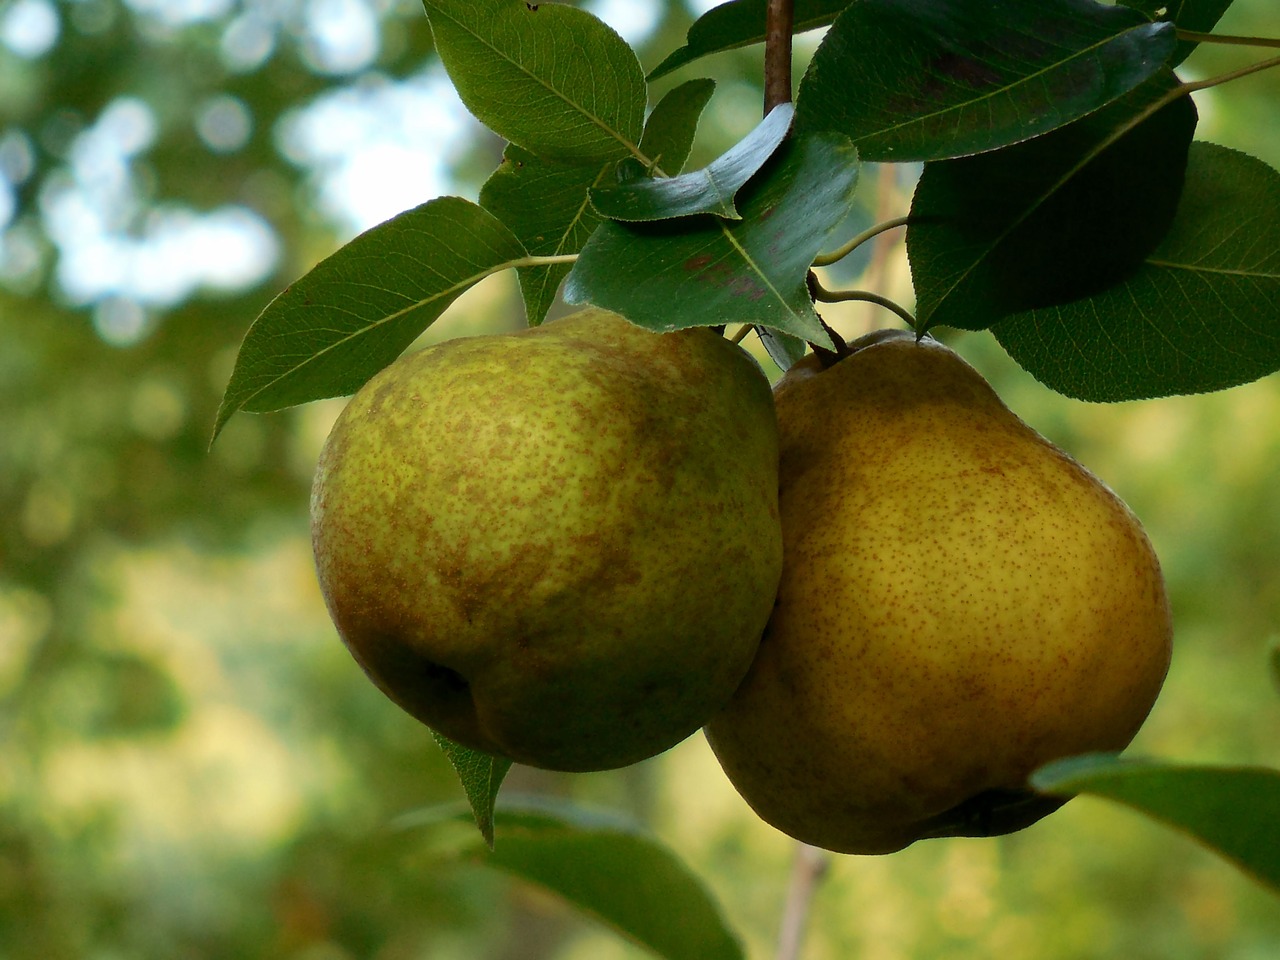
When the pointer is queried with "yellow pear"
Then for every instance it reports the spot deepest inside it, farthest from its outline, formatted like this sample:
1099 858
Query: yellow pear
960 603
561 545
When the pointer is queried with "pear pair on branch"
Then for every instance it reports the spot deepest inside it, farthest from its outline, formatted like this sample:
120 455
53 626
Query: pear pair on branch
886 598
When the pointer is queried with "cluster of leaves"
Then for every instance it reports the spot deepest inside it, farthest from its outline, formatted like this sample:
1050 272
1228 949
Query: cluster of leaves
1062 205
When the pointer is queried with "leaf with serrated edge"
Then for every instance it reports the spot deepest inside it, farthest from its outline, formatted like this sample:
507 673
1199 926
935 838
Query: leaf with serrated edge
1232 810
550 77
1052 219
671 127
709 190
740 23
1201 313
481 775
603 864
704 271
357 310
544 203
926 81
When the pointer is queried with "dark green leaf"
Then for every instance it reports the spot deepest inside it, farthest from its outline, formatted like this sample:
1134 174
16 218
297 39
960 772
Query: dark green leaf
481 775
704 271
916 80
610 869
1050 220
1198 315
783 349
357 310
1202 313
1235 811
740 23
545 204
549 77
670 129
1198 16
710 190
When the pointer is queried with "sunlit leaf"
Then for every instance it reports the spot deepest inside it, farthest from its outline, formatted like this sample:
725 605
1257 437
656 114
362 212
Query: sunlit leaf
1199 16
1053 219
740 23
545 204
705 271
925 81
710 190
605 866
357 310
1232 810
552 78
481 775
1201 313
670 129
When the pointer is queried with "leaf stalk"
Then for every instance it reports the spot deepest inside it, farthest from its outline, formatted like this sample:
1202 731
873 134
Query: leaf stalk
819 292
835 256
1227 39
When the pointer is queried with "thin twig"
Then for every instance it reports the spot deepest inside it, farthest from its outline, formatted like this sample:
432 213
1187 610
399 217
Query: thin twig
809 869
877 271
843 296
1193 86
779 18
1227 39
835 256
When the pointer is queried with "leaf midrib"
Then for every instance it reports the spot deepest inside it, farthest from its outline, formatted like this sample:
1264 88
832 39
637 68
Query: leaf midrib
598 122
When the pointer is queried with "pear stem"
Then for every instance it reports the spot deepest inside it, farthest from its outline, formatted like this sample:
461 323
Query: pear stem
807 873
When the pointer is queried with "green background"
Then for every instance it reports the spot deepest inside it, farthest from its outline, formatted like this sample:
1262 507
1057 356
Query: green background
190 763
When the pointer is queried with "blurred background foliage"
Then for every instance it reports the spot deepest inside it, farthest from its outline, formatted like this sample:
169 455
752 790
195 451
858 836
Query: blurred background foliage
191 766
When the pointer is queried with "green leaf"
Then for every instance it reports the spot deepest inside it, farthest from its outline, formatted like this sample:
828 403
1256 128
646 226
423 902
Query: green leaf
1234 811
357 310
481 775
671 127
549 77
545 204
1198 16
1053 219
710 190
1201 313
704 271
610 869
783 349
913 80
740 23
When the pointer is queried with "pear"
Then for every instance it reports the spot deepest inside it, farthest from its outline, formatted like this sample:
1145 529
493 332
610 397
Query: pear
560 545
960 603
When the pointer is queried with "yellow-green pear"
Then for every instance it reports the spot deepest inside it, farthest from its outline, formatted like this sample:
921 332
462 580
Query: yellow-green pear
960 603
559 545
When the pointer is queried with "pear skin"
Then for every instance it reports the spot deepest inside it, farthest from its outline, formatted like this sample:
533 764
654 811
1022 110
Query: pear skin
561 545
961 602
